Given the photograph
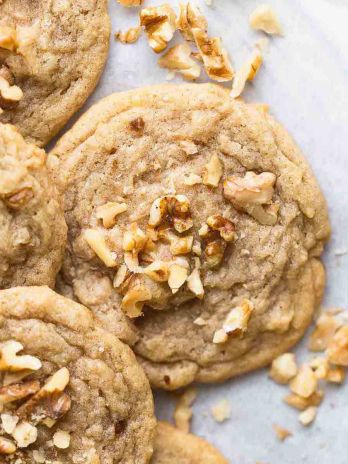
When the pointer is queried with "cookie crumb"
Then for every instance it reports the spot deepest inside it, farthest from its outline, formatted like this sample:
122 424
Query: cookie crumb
221 411
307 416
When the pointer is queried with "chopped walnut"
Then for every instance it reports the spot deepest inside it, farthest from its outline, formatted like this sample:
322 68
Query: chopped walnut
236 322
96 240
213 171
281 432
108 212
135 299
9 94
338 347
134 239
18 391
121 275
335 374
174 209
178 275
11 362
298 402
61 439
200 321
181 245
246 73
220 336
325 329
214 252
195 285
250 193
25 434
221 411
224 226
178 59
183 410
305 382
193 179
130 3
158 271
130 36
8 38
9 422
307 416
320 366
264 18
159 23
215 58
190 17
283 368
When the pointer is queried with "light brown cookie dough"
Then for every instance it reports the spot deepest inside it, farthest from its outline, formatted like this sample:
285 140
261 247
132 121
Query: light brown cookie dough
200 212
57 53
70 391
32 225
175 447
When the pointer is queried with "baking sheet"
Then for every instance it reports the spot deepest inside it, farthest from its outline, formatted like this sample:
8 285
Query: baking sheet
304 80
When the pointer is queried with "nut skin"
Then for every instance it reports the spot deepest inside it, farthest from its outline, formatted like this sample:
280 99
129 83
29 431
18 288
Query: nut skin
18 391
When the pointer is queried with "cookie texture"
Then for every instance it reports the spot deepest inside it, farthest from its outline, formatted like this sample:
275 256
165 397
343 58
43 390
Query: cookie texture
79 395
199 214
60 51
172 446
32 225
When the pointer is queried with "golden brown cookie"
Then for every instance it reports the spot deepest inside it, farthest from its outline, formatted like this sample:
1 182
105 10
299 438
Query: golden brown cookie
196 216
32 225
175 447
70 391
54 51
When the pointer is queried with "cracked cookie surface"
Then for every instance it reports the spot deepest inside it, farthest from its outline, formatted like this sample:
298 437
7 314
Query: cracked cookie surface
173 446
70 391
32 225
59 53
199 213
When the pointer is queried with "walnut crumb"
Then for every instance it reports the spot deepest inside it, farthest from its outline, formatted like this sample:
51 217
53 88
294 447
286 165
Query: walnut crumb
221 411
264 18
130 36
281 433
305 382
307 416
283 368
178 59
246 73
159 23
213 171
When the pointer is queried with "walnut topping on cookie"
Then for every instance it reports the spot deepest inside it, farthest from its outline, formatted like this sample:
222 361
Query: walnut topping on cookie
96 240
9 94
236 322
159 23
178 59
252 193
20 421
213 171
8 38
174 209
108 212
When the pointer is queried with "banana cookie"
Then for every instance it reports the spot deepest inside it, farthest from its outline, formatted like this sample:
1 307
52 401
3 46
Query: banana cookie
172 446
197 217
52 53
32 225
70 391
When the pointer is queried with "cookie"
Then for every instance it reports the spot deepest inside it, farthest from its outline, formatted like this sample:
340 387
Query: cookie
172 446
196 216
54 51
32 225
71 392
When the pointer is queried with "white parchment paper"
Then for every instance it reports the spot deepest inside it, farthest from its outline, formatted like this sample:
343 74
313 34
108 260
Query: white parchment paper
304 80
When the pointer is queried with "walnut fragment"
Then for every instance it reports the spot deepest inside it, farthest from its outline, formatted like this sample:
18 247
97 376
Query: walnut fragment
264 18
178 59
160 25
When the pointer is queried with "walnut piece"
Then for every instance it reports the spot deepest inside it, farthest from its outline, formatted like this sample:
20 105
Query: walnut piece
305 382
178 59
61 439
281 432
224 226
159 23
130 3
236 322
10 361
181 245
7 446
215 58
134 239
263 18
9 94
307 416
335 374
246 73
8 38
9 422
283 368
251 193
96 240
25 434
183 410
337 350
134 300
195 285
298 402
220 336
130 36
325 328
175 209
190 17
158 271
108 212
213 171
200 321
178 275
221 411
18 391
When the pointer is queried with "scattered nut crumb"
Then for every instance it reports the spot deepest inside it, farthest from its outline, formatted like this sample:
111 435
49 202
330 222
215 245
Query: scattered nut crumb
96 240
61 439
298 402
305 382
264 18
130 36
130 3
213 171
283 368
221 411
307 416
9 94
325 328
190 17
178 58
337 350
281 432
